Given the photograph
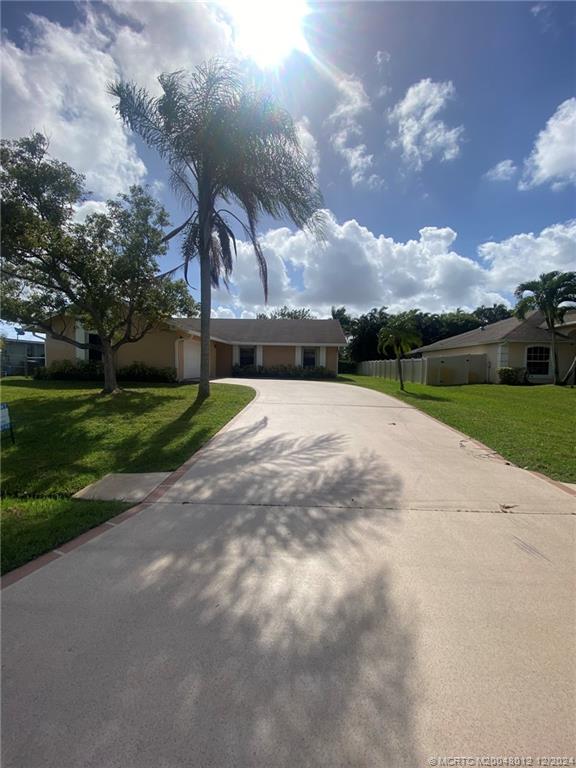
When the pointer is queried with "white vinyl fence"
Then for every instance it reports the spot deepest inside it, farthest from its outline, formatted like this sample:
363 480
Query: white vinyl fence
412 370
454 369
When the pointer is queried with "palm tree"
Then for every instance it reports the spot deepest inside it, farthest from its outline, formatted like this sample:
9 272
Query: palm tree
549 293
401 337
226 144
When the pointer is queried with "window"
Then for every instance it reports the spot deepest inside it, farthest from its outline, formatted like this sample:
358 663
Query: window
94 354
247 356
538 361
309 357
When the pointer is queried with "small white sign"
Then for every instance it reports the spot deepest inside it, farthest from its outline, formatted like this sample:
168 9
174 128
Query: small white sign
4 417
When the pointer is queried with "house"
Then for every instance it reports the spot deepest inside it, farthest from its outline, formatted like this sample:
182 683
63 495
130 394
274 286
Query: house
510 343
176 344
19 357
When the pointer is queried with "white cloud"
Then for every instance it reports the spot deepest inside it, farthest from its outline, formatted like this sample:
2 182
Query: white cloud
165 37
222 312
57 84
346 138
358 269
309 144
382 58
503 171
87 208
553 158
422 136
527 255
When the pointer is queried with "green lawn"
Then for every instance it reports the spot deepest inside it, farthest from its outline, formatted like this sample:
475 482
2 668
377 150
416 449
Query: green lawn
532 427
68 436
31 527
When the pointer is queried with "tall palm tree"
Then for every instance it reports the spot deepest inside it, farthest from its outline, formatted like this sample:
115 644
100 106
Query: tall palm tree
226 143
550 294
401 337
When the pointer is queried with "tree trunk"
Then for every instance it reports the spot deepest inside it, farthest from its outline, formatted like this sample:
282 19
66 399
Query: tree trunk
205 301
571 371
555 355
109 364
400 376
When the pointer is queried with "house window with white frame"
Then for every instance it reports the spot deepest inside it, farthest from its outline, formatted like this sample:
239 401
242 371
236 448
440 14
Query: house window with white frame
247 356
309 357
538 361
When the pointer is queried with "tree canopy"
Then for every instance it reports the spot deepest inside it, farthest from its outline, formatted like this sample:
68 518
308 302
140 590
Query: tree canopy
553 293
286 313
399 335
103 272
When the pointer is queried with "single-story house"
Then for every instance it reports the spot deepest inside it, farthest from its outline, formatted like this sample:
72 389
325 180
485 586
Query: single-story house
19 357
176 344
511 343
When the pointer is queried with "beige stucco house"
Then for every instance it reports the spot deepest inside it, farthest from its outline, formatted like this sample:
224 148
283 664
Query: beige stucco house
176 344
511 343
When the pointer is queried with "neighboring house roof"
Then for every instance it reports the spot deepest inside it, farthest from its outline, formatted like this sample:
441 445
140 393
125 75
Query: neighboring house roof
529 330
569 319
299 332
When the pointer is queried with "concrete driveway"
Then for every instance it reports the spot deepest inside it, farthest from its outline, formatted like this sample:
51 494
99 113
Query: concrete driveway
337 580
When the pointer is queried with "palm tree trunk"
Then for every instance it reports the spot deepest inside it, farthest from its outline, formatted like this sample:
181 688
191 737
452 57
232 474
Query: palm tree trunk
571 370
555 355
205 299
400 376
109 365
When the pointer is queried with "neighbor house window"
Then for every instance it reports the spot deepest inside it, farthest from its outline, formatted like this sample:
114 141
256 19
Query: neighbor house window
247 356
309 357
538 361
94 354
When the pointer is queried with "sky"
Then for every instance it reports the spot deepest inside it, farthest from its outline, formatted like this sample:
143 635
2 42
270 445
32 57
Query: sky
443 134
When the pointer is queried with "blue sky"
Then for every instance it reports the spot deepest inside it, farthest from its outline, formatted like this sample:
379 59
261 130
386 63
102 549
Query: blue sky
444 134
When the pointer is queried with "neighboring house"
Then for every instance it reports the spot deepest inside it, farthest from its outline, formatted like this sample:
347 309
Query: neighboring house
512 343
176 344
19 357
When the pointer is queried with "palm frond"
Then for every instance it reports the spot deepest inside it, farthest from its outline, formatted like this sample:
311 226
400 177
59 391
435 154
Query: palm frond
224 138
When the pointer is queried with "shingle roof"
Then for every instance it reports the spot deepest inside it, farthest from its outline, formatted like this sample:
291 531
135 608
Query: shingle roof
297 332
512 329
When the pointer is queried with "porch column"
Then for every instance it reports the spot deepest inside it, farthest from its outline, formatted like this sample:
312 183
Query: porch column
80 336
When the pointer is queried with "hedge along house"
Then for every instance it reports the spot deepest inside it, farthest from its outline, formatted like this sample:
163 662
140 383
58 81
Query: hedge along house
510 343
176 344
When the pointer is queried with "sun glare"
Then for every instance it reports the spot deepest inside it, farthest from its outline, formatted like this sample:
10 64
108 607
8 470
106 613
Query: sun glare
269 31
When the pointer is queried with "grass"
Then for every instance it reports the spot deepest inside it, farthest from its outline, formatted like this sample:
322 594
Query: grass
31 527
532 427
68 435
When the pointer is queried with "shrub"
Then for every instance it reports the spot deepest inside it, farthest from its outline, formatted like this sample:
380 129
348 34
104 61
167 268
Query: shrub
69 370
347 366
282 372
512 376
142 372
92 370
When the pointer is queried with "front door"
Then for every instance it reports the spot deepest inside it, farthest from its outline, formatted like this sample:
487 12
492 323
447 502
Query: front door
191 359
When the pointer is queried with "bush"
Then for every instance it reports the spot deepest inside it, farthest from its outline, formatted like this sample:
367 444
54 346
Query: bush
92 370
282 372
69 370
512 376
142 372
347 366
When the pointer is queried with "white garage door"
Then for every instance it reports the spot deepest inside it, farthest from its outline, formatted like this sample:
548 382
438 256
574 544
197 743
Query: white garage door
191 359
